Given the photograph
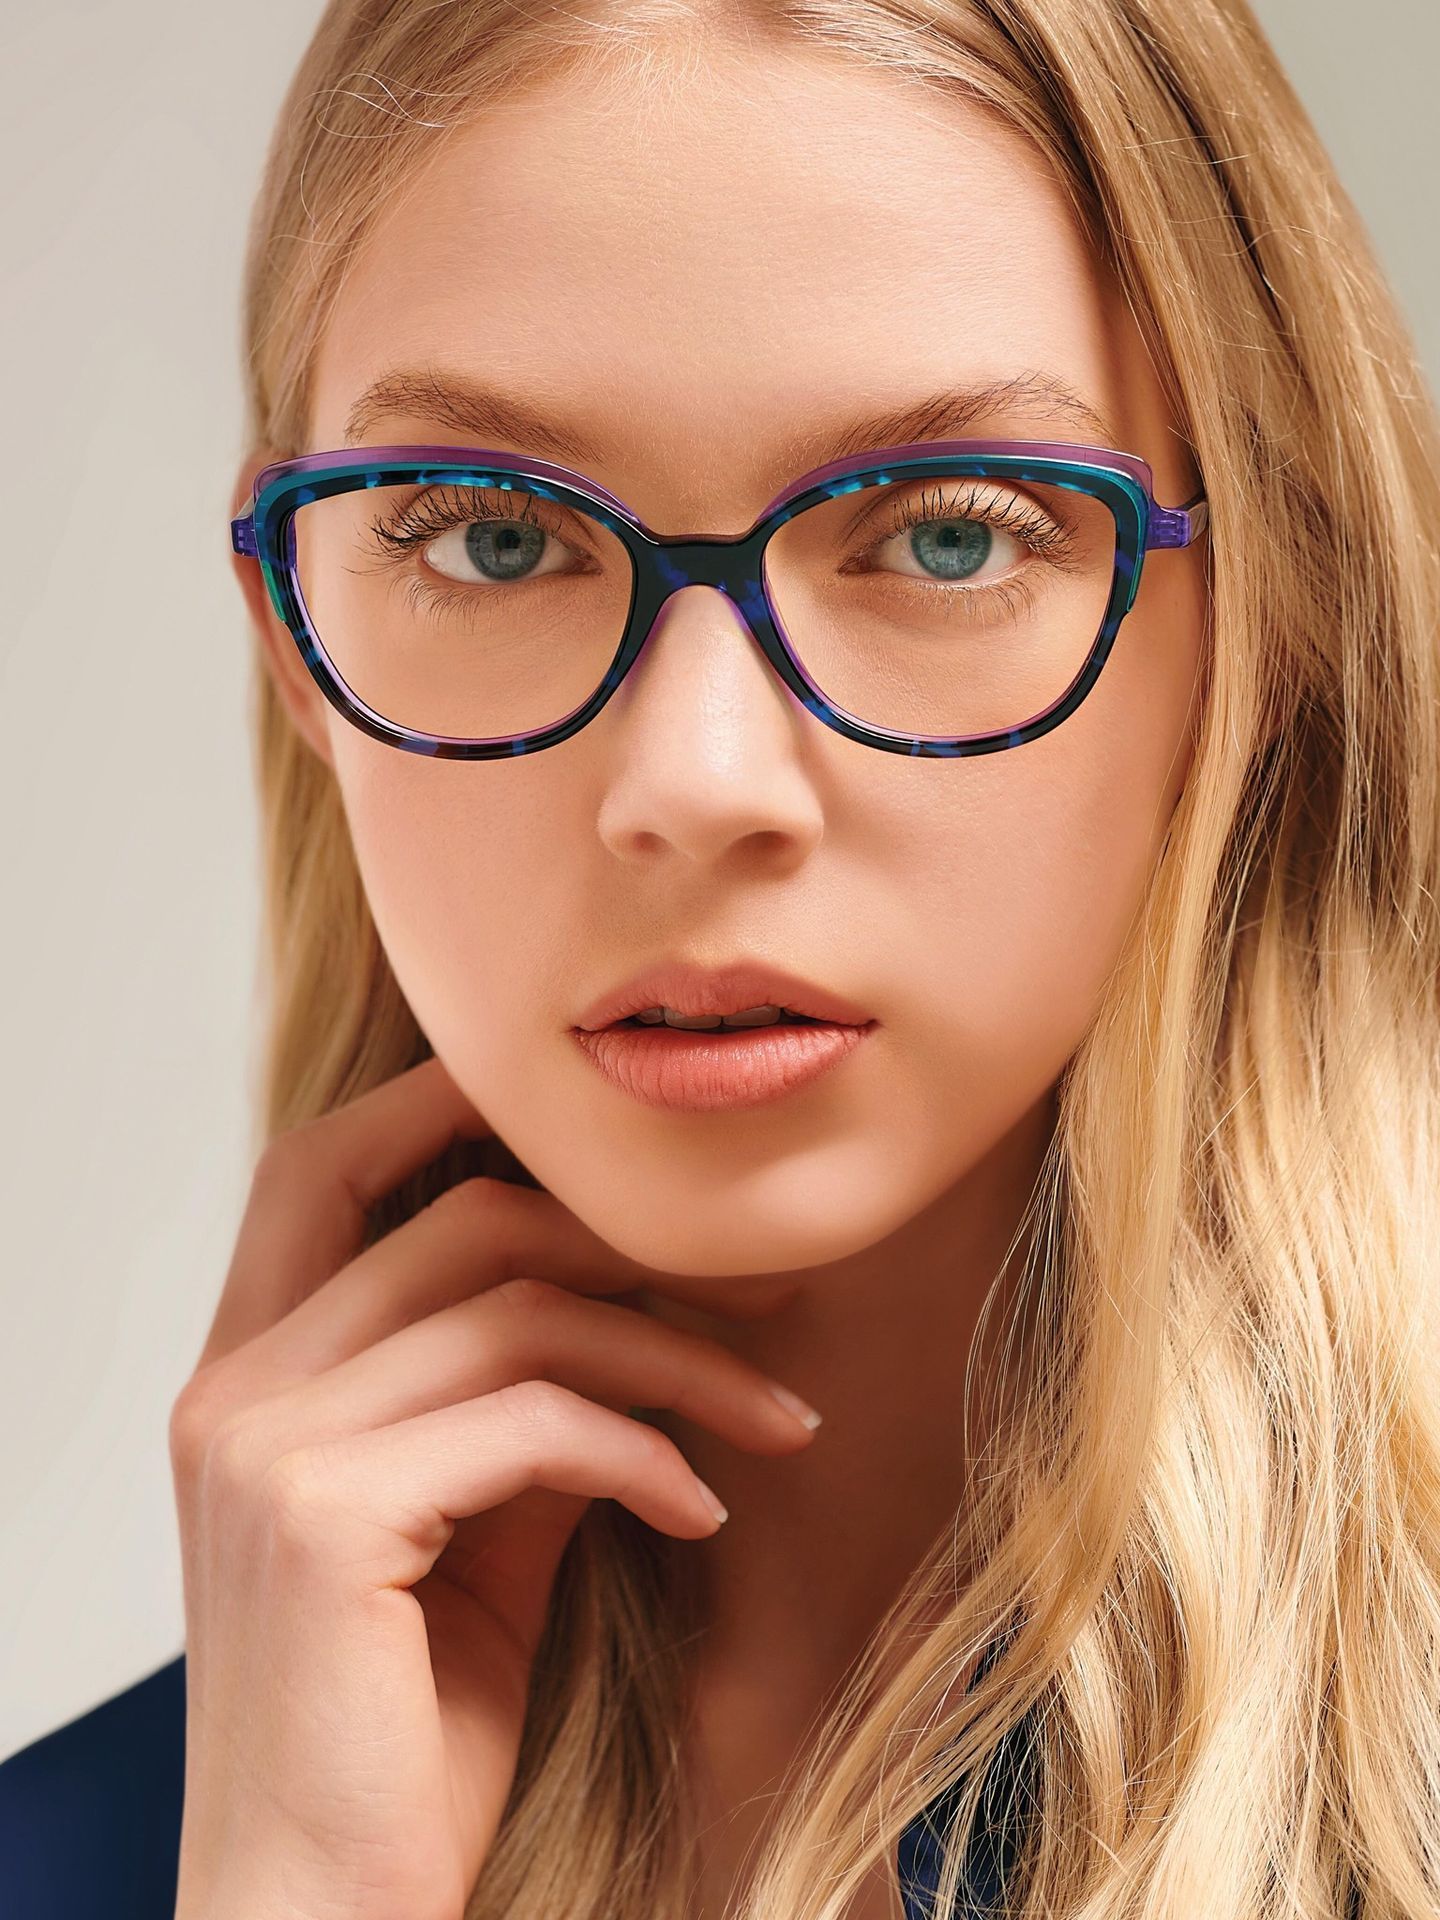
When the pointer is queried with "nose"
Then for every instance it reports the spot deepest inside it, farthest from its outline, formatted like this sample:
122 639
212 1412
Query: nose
706 751
708 622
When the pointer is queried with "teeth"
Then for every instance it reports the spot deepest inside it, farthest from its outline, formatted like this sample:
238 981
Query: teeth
765 1016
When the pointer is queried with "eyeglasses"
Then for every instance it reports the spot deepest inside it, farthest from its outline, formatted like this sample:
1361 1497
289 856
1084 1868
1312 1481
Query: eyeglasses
940 599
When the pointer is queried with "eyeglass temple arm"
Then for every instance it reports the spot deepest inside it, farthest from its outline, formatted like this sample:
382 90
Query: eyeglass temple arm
1177 526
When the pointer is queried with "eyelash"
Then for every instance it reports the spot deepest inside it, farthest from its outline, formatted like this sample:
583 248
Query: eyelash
422 520
1038 531
417 528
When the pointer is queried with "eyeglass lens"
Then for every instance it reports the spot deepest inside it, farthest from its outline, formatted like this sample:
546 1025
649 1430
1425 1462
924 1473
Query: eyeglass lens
949 605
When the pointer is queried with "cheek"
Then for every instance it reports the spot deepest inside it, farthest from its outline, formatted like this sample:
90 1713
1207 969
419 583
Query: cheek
451 864
1024 921
1046 864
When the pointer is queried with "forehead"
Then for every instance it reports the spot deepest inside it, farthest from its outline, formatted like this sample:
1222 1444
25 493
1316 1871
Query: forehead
772 239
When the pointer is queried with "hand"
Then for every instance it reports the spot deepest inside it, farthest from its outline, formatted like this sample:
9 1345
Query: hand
378 1462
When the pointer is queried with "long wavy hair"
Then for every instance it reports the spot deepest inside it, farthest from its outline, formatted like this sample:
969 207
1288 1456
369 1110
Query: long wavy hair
1212 1512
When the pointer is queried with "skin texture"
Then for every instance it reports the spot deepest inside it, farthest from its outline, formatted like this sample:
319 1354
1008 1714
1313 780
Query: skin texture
691 274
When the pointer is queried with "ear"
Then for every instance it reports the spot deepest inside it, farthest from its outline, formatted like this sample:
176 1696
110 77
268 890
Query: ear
303 700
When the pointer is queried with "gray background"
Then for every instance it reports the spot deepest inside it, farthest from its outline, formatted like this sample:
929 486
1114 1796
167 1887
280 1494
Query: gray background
131 144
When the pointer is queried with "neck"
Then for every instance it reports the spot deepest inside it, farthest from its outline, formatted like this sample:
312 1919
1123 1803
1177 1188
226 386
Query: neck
818 1545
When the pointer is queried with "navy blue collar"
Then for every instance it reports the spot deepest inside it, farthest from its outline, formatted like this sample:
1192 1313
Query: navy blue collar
995 1838
116 1775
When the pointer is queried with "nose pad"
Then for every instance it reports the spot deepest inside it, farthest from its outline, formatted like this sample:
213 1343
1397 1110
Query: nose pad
665 615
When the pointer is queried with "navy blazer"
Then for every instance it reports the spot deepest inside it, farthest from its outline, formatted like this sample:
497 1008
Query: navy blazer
90 1817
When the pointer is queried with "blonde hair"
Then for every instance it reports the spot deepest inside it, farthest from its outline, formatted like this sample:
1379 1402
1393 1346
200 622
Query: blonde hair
1214 1512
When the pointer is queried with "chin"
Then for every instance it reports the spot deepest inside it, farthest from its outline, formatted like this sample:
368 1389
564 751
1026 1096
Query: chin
756 1226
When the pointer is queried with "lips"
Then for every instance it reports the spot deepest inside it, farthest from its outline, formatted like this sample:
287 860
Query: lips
706 1072
731 988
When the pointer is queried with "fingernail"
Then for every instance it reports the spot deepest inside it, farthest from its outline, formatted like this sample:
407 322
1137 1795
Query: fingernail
792 1403
712 1500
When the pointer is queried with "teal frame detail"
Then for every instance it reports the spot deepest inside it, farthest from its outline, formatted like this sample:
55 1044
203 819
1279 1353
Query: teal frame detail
663 564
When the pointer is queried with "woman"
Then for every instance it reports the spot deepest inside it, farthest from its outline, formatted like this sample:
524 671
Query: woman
1089 1190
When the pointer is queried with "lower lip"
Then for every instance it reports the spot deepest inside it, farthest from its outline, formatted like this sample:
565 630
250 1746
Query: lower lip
695 1071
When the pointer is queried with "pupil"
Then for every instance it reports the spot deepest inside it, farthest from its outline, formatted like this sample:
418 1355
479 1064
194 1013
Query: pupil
954 554
503 550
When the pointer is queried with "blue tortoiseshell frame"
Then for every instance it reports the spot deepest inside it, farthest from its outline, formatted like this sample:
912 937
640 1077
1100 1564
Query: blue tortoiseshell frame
733 563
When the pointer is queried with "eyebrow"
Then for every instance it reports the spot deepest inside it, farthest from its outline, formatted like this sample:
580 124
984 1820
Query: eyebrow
457 402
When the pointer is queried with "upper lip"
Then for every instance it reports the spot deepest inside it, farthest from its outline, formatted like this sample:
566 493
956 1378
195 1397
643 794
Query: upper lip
724 989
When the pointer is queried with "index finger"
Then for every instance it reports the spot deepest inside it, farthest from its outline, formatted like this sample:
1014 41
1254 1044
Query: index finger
313 1186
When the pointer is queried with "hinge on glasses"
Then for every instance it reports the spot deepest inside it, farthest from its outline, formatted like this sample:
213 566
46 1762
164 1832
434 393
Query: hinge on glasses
242 537
1177 526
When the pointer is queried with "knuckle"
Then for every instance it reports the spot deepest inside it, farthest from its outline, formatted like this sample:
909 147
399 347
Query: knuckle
661 1448
231 1454
283 1160
478 1197
528 1297
538 1407
294 1494
194 1414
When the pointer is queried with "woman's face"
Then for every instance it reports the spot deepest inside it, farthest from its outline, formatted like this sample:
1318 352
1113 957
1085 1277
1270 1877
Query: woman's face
691 279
